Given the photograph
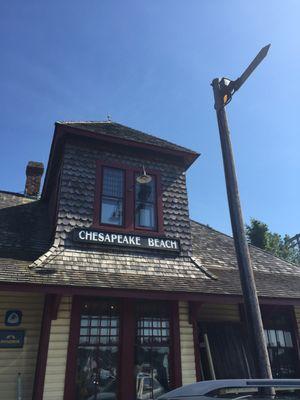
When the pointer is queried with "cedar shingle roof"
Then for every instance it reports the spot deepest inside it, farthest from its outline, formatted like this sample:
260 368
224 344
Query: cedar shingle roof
116 130
212 270
216 251
274 277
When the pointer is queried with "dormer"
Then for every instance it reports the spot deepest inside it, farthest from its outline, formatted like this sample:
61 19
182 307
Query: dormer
97 171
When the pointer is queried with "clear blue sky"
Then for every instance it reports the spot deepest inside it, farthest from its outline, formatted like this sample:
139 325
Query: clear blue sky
149 64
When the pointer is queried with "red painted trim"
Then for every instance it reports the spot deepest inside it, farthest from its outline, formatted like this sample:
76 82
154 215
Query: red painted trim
127 353
127 348
296 336
193 320
175 370
138 294
129 201
55 306
70 376
40 371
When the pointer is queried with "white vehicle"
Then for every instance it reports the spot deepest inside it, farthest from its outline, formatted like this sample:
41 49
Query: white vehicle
236 389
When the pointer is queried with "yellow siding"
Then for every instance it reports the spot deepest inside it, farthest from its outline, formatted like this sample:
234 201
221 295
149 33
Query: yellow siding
57 354
219 312
23 360
187 345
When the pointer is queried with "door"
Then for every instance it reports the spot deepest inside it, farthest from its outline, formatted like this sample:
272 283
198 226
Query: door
224 351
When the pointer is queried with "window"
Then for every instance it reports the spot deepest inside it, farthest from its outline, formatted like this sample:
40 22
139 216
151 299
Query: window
124 346
97 352
112 199
122 204
145 204
152 351
280 341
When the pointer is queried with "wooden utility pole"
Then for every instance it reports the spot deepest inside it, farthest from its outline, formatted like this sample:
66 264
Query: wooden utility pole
223 91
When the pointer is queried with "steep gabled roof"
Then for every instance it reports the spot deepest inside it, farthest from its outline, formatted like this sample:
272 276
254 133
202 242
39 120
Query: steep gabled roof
111 133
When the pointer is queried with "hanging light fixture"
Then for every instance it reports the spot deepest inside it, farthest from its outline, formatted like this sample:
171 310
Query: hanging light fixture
144 177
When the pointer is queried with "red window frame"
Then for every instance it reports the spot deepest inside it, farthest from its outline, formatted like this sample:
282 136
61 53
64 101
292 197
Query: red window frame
128 319
129 200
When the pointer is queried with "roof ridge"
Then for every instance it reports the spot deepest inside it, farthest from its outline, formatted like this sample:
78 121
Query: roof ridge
250 245
85 122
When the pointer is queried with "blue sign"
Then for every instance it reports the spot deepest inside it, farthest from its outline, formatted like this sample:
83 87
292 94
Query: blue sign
11 339
13 318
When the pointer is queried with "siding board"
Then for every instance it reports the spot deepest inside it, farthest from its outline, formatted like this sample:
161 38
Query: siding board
57 353
187 345
219 312
14 361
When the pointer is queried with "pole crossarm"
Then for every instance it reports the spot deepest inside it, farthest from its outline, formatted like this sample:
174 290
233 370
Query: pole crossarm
229 87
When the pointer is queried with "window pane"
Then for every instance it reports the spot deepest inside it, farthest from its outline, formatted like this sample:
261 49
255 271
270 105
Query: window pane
112 211
288 339
266 337
113 182
152 351
112 196
280 339
97 353
152 372
145 204
96 373
145 215
145 192
272 338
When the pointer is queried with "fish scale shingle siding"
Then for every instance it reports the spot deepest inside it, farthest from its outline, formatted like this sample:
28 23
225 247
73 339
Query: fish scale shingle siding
76 206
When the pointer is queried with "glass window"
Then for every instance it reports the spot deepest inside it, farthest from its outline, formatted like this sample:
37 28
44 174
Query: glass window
152 352
145 204
97 352
281 353
112 199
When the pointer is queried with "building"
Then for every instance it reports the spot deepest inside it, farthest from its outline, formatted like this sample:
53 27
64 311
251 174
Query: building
110 291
